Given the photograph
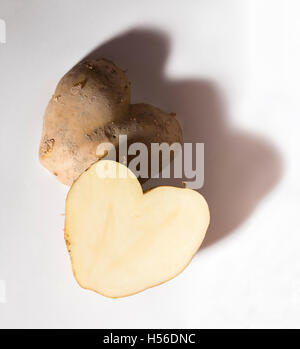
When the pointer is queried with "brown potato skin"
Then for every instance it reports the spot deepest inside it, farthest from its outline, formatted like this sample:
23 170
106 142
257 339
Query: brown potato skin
89 96
145 124
91 105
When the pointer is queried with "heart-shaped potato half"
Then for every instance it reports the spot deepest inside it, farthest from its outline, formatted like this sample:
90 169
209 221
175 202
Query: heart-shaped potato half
122 241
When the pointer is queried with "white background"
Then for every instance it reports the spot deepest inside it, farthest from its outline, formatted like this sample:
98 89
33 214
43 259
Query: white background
230 69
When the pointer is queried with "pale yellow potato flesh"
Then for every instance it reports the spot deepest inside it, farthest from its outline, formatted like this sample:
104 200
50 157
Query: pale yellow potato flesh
122 241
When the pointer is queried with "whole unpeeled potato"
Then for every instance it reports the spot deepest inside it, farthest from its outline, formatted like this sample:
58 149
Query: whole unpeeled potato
91 105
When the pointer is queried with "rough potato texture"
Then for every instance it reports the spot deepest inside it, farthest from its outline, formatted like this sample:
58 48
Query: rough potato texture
88 97
91 105
145 124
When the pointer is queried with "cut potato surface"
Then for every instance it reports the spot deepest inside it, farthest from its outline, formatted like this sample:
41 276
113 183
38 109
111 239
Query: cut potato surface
122 241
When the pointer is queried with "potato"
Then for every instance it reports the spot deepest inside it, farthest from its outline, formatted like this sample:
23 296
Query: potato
88 97
146 124
91 105
122 241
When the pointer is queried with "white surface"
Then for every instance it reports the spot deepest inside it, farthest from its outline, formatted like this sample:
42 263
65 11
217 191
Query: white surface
247 52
